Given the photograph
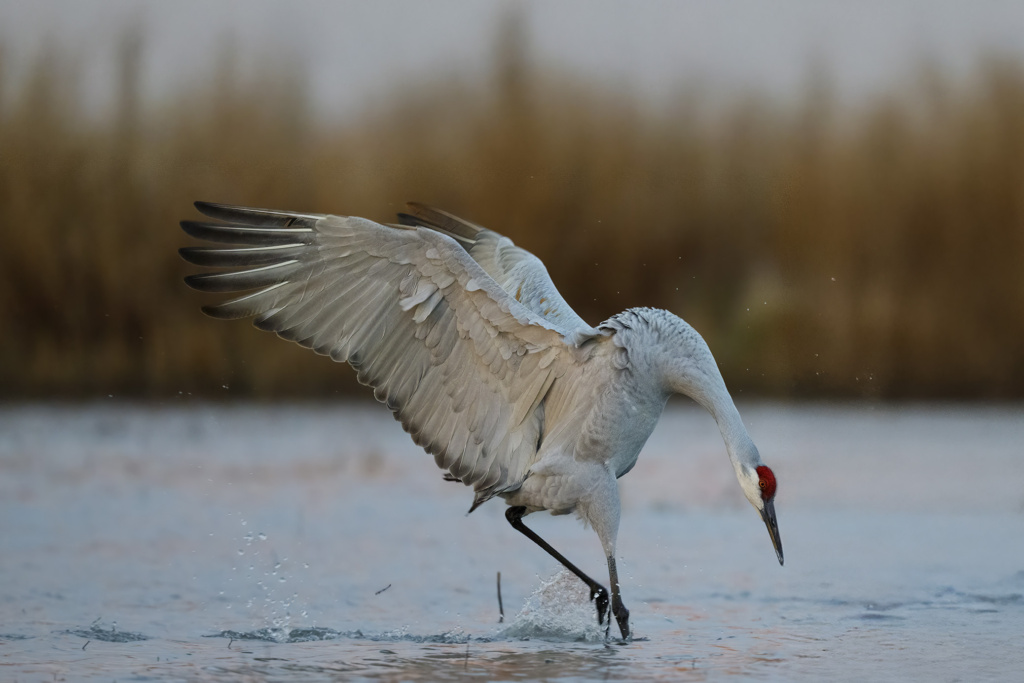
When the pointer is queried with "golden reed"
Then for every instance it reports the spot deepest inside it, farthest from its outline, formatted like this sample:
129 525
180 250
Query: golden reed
823 247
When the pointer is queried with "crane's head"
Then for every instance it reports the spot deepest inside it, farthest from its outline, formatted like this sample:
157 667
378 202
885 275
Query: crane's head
759 487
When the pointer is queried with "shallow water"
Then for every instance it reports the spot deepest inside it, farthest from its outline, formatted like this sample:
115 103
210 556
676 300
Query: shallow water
290 543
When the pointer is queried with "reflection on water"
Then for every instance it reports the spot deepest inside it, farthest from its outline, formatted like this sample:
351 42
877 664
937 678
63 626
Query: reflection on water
433 663
292 543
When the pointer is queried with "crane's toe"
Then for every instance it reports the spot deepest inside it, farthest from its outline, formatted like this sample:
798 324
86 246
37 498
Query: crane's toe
599 596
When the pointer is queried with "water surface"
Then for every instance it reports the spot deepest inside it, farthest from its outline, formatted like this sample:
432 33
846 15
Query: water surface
295 542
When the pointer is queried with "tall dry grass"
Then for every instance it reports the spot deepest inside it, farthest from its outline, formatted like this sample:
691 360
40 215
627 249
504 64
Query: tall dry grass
822 249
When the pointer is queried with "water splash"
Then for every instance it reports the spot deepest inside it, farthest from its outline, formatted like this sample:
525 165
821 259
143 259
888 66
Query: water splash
282 635
265 580
111 635
559 609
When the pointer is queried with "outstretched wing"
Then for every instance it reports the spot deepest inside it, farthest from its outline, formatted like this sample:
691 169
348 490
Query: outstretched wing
463 366
521 274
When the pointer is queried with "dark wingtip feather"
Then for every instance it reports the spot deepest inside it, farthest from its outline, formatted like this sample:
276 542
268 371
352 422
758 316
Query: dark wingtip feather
199 282
226 233
248 256
409 220
222 212
239 280
421 215
202 207
225 212
217 282
219 313
260 218
192 228
266 323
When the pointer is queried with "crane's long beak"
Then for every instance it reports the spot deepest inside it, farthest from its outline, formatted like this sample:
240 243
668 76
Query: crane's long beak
768 515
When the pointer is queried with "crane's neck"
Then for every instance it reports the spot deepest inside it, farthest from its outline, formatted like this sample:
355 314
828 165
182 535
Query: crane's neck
742 451
682 363
697 376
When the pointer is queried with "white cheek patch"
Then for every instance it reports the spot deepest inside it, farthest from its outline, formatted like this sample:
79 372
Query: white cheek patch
752 491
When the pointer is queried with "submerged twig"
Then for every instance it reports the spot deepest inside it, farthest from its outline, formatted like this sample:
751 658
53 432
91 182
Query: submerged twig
383 589
501 609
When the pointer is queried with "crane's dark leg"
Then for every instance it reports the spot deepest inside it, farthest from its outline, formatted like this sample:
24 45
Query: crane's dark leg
598 593
618 609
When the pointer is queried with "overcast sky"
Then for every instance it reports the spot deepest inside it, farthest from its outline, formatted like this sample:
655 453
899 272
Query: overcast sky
357 51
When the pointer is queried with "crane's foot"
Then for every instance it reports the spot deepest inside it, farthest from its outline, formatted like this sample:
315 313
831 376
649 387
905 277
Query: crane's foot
621 616
599 596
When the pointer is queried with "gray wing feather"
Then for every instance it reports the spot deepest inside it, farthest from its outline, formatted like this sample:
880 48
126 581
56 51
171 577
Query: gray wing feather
521 274
462 364
525 278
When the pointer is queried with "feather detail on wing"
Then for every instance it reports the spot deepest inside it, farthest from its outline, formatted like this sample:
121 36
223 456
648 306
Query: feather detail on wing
463 365
521 274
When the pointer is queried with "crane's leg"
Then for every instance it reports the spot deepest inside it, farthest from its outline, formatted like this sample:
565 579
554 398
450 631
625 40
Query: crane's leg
598 593
618 609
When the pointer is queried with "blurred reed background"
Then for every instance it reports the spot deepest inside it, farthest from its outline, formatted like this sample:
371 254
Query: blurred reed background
823 248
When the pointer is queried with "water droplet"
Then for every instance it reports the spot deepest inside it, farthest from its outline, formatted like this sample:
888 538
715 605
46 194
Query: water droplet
262 536
241 552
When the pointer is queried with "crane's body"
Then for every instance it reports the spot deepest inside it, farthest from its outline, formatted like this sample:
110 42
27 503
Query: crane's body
465 338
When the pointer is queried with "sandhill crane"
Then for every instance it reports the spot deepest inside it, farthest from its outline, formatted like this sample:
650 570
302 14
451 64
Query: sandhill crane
465 338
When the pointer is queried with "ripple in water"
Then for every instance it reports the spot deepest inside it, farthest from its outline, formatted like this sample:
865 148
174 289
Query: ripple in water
305 635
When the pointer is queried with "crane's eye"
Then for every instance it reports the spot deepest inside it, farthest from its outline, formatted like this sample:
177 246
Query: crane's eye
762 483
